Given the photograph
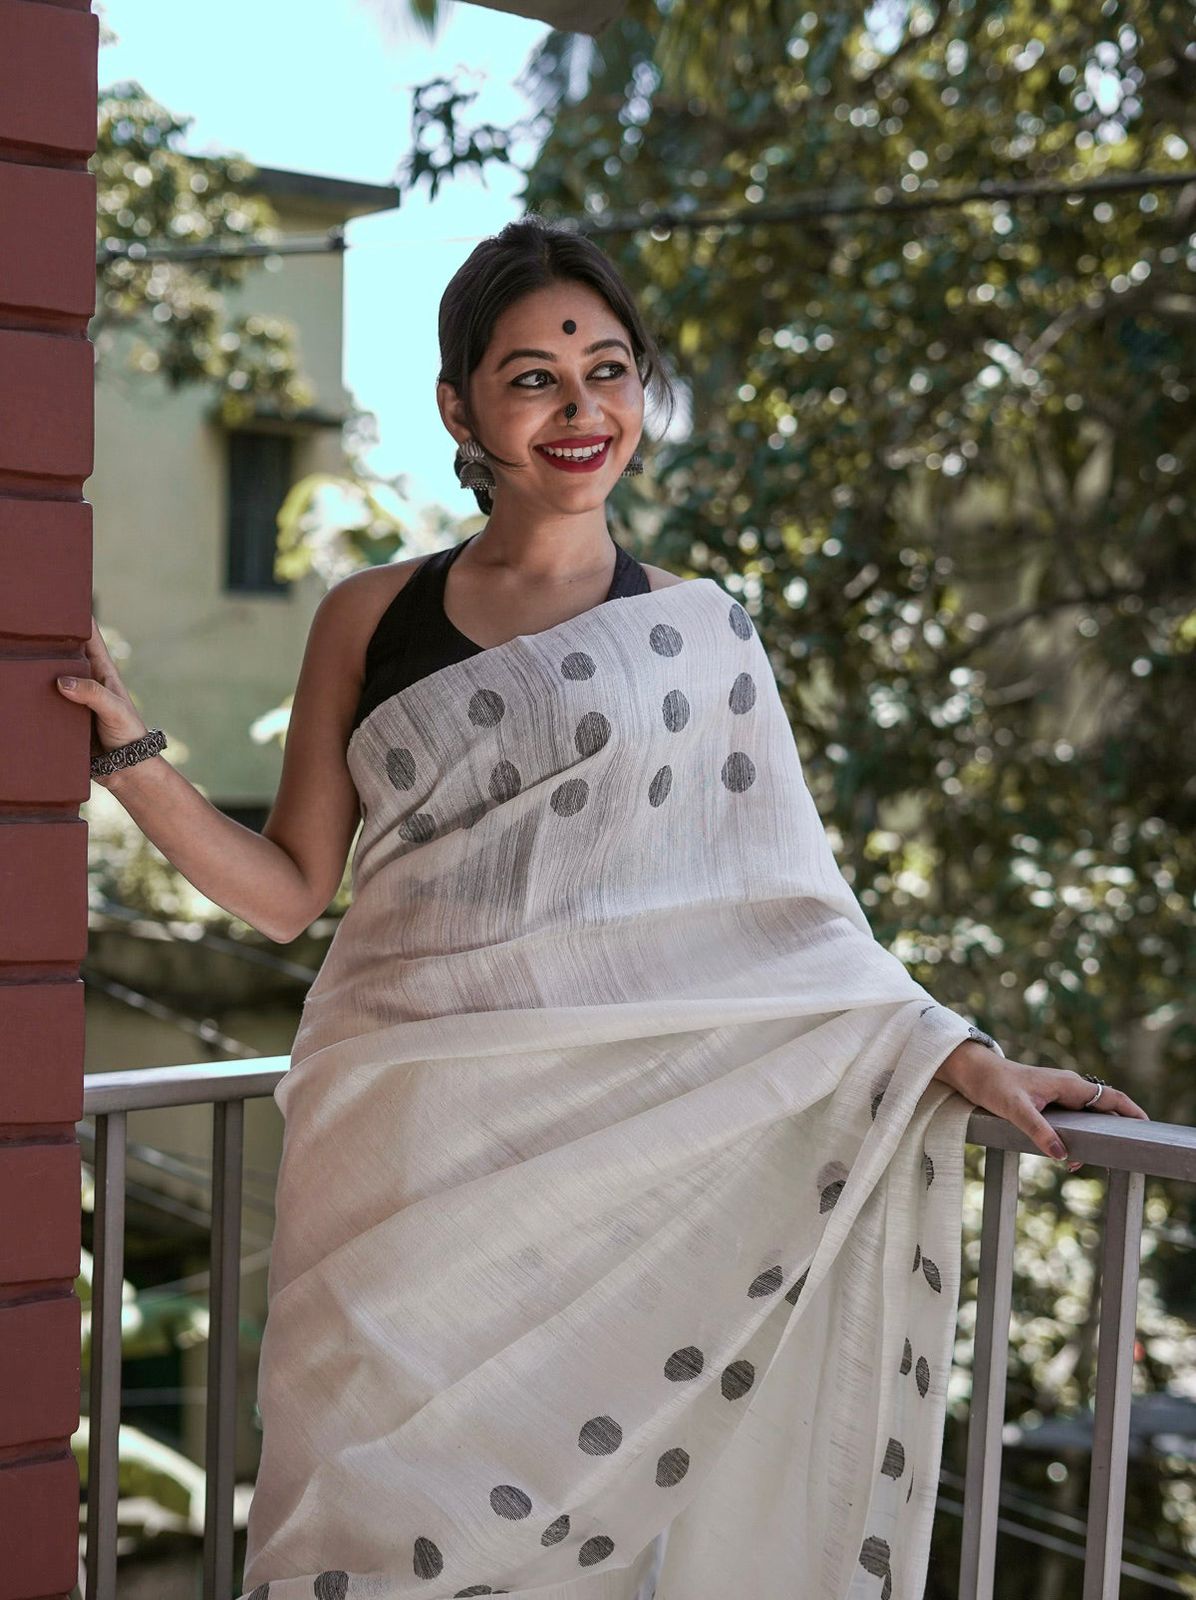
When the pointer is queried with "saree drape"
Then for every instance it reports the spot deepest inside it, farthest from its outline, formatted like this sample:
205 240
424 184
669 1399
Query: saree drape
619 1211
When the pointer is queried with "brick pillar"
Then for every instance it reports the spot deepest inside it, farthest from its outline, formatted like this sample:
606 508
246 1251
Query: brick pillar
47 296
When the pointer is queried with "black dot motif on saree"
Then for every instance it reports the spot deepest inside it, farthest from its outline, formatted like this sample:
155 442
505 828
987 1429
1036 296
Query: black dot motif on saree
917 1258
400 767
600 1436
737 1379
766 1282
910 1490
743 694
474 813
556 1531
578 666
832 1175
478 1588
674 709
418 828
591 733
507 1501
874 1558
739 771
928 1168
428 1561
684 1364
568 798
922 1376
658 789
505 781
665 640
907 1357
893 1464
595 1550
741 623
797 1288
332 1586
931 1273
672 1467
486 708
262 1592
878 1091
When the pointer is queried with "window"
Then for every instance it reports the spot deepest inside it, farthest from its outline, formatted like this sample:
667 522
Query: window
260 471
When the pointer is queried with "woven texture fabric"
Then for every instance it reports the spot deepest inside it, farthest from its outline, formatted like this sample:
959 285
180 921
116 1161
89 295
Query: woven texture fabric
619 1210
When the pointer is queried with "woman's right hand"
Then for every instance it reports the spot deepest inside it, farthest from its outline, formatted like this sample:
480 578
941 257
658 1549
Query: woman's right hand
115 719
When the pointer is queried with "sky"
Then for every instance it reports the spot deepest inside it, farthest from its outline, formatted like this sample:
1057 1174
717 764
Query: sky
327 89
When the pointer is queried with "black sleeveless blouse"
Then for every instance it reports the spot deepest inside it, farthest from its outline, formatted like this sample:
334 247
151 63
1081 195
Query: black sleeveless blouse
414 637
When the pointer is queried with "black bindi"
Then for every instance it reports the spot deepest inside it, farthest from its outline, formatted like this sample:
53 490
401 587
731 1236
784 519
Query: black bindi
570 326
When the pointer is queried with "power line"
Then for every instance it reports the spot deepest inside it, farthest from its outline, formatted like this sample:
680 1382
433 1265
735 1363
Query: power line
813 203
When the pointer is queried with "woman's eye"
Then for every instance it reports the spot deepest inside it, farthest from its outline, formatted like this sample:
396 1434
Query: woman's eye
540 372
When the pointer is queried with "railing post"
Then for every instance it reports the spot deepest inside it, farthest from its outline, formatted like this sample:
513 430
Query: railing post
107 1283
994 1290
1114 1383
228 1129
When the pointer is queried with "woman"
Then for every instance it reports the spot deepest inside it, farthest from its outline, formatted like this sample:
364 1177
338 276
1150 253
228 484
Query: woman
604 1088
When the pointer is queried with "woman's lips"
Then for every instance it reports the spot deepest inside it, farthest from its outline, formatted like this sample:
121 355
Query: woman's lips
567 465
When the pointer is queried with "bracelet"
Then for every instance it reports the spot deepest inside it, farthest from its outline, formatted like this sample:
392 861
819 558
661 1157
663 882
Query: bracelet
126 755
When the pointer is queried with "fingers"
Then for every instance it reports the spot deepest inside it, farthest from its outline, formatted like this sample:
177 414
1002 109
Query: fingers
1032 1122
1113 1100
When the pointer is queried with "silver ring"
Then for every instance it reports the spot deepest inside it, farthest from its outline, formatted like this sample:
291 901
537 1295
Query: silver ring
1102 1085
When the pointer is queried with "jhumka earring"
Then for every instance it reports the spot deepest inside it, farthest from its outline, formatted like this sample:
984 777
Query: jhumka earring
634 467
471 468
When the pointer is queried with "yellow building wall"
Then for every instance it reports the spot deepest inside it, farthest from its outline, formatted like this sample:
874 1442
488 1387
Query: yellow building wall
203 662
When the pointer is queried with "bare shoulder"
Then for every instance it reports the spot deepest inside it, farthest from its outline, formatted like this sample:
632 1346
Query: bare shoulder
363 597
660 577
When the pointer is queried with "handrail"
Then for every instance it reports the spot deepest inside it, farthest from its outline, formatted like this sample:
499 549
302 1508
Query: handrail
1130 1150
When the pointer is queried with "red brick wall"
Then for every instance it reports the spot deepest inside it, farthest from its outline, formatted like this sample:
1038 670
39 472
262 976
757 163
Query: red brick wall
47 295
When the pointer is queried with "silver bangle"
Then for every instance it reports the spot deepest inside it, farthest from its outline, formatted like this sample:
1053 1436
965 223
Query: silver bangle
151 743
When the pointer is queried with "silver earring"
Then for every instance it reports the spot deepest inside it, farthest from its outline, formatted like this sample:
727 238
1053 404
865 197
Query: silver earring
634 467
470 465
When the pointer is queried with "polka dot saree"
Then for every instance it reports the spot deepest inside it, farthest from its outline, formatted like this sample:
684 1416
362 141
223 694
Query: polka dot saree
618 1221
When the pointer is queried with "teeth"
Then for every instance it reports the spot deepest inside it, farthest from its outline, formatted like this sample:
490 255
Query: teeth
576 455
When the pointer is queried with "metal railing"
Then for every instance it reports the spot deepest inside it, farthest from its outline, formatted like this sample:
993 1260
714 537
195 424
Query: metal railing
1130 1149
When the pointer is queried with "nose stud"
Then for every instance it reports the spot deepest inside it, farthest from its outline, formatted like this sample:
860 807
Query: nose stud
570 410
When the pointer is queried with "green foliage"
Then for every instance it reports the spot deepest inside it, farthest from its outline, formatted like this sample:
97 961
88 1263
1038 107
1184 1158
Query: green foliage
943 451
151 193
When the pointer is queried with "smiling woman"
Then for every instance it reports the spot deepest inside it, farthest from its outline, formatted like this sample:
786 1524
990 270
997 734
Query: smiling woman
611 1133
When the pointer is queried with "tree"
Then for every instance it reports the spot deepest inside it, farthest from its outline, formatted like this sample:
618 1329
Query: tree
150 193
943 451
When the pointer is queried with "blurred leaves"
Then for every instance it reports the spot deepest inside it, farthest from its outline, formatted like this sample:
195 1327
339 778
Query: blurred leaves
149 192
944 454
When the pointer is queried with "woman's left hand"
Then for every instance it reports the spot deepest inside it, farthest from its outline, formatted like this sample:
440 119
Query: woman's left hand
1018 1091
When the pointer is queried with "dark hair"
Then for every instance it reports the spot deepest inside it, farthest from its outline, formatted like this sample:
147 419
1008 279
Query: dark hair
532 253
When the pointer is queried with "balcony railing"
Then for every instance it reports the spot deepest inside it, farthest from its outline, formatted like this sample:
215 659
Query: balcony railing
1131 1150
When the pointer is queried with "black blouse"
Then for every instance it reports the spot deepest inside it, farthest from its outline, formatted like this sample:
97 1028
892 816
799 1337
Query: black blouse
414 637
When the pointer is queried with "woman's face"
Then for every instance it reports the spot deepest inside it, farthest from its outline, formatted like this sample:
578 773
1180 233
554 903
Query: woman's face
554 346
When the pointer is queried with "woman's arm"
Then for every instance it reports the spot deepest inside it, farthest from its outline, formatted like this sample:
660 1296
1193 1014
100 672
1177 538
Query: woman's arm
280 880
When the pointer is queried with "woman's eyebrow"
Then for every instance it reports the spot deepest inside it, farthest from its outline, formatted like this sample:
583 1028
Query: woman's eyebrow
547 355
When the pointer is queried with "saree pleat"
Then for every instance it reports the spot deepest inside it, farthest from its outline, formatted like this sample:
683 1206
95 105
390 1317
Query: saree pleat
618 1217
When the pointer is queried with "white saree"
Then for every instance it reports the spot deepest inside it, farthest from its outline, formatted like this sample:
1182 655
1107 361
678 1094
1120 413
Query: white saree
618 1218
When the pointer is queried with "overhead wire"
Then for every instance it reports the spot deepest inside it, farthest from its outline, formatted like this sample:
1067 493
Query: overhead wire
671 218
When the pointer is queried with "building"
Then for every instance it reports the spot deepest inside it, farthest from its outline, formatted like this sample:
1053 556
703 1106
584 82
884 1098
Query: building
185 515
